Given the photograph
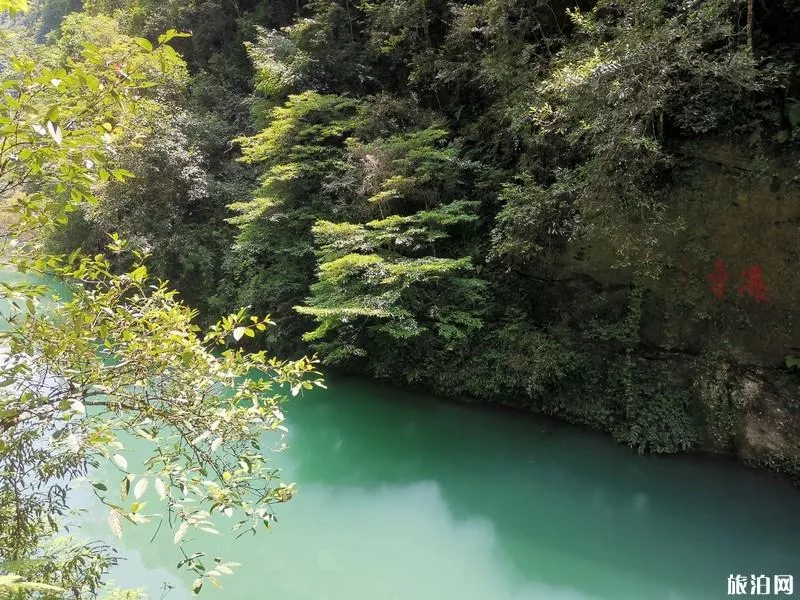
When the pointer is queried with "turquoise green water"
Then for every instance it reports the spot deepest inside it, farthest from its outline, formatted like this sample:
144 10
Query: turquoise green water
405 496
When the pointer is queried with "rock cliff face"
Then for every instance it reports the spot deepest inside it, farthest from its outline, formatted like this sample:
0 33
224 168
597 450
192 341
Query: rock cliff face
725 313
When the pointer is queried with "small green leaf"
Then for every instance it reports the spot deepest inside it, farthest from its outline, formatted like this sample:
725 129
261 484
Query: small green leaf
144 44
170 34
197 585
121 174
139 273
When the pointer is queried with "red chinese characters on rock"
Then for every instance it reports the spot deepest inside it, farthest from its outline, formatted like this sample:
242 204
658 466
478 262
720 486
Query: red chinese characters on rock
752 283
718 279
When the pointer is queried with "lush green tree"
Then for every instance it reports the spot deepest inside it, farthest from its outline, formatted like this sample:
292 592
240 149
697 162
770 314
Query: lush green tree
273 260
384 280
170 208
484 198
630 71
118 357
395 260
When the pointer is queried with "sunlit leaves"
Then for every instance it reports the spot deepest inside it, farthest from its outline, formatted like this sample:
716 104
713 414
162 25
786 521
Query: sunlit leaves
14 586
13 6
182 409
181 532
171 34
117 354
389 274
203 418
120 461
140 488
60 125
372 279
161 488
115 523
144 43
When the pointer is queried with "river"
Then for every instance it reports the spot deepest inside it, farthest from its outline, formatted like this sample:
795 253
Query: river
405 496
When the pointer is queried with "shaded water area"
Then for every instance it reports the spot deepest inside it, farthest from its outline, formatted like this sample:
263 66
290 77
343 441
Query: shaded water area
406 496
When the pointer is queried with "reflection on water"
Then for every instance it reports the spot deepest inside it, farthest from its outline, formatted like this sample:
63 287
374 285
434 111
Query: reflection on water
392 542
408 497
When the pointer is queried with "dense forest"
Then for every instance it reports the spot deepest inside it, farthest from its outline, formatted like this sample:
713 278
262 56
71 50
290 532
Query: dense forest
588 209
585 209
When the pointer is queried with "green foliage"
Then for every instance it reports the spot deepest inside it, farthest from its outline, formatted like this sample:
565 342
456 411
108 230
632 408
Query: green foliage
400 275
632 70
121 355
494 54
13 6
657 412
401 37
413 169
42 102
302 142
333 39
176 210
280 66
518 360
117 356
533 223
479 198
14 586
273 260
451 211
365 274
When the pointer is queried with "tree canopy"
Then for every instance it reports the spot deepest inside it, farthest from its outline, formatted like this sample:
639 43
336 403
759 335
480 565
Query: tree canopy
117 356
586 209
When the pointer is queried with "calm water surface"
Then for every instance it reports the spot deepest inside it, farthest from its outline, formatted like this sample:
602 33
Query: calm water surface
404 496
